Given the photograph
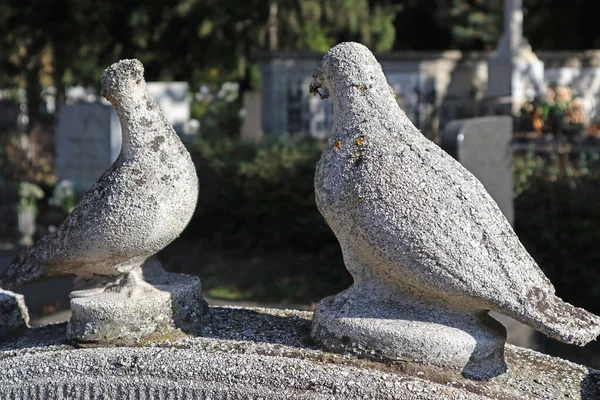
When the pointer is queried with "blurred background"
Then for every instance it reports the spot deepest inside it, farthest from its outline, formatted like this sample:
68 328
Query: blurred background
232 77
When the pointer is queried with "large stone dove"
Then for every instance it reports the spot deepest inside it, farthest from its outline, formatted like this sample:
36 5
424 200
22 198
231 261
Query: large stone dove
428 248
137 207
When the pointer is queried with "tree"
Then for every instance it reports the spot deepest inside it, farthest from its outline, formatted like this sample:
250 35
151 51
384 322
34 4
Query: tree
473 24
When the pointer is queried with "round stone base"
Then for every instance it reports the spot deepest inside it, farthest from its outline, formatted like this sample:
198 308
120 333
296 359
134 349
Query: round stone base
411 330
144 305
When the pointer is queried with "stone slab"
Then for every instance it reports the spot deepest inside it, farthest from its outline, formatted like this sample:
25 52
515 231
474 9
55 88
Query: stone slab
261 353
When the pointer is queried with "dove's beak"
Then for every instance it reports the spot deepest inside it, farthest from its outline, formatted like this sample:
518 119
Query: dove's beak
316 84
319 81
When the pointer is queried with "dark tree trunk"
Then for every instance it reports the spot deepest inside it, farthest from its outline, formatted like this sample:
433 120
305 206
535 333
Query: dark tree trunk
33 90
59 68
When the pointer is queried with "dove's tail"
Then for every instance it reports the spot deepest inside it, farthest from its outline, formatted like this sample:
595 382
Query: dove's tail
559 320
21 271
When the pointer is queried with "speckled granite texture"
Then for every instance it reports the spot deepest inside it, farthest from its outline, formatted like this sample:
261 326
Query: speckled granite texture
14 316
428 248
262 353
137 207
150 304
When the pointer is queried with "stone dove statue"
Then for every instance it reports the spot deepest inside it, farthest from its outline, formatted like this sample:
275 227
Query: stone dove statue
429 250
137 207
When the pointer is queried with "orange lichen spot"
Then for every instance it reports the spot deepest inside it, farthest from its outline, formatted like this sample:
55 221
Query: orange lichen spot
359 140
338 145
361 200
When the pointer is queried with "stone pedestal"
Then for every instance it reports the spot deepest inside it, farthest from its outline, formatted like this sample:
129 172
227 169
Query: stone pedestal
409 329
146 304
261 353
14 317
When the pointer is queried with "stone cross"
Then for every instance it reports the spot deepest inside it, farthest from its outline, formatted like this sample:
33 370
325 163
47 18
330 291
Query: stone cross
512 37
515 74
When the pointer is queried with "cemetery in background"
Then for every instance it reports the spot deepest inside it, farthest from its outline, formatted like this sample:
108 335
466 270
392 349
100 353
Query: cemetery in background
235 86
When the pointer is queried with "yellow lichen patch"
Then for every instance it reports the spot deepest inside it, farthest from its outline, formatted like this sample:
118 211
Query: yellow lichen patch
361 200
359 140
338 145
362 88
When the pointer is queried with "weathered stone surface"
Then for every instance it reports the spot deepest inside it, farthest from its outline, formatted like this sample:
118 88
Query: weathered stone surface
14 317
148 303
421 237
482 146
261 353
137 207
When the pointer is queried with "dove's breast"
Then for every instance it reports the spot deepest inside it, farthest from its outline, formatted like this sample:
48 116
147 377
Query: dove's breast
132 212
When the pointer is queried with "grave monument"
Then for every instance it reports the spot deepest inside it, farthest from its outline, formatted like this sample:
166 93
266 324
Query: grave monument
264 353
516 74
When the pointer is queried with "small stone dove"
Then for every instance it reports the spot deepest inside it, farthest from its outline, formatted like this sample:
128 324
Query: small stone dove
138 206
412 220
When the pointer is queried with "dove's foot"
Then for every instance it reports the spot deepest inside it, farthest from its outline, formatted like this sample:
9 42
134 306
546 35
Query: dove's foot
143 305
404 327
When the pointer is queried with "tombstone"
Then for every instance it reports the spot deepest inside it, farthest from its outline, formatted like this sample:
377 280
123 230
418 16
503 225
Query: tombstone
251 127
482 146
9 113
288 107
88 138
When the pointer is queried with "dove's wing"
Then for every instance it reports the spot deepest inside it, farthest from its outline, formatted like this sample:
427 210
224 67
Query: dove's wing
104 228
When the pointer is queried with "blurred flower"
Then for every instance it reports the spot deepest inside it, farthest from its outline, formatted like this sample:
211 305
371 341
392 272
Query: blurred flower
29 194
64 196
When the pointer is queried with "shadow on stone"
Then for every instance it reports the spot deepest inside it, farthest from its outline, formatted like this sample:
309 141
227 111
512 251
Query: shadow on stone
242 324
590 385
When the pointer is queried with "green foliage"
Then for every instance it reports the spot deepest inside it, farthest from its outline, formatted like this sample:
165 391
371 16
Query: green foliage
474 24
29 194
64 196
260 196
531 168
558 220
218 110
257 211
257 233
318 25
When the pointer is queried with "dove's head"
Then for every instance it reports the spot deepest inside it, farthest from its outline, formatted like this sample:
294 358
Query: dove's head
123 81
346 64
